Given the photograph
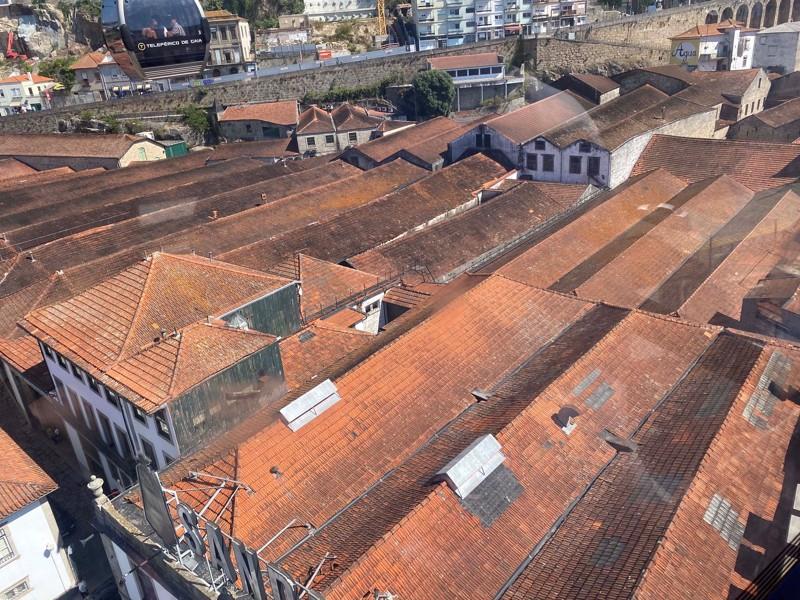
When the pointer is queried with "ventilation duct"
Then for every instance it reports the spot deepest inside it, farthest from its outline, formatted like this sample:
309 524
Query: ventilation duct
310 405
467 470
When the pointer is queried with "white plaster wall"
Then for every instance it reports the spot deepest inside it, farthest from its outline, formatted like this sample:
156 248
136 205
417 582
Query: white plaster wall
539 174
583 176
780 50
624 158
33 531
343 138
129 588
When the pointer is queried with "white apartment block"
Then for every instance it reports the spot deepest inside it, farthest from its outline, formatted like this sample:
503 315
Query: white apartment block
443 23
339 10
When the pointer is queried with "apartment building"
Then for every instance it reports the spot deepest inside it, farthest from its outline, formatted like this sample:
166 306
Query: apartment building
98 77
150 361
443 23
724 46
231 48
477 78
24 93
339 10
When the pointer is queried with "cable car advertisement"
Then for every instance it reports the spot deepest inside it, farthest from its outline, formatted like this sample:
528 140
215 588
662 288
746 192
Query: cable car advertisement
156 38
166 31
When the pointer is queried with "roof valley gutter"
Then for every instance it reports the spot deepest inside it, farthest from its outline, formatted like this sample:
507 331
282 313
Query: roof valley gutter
571 506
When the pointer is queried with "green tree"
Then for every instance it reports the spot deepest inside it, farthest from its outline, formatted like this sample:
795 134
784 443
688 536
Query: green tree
434 93
196 118
59 70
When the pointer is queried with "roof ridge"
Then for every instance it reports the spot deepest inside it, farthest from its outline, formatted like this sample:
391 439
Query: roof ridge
174 375
139 304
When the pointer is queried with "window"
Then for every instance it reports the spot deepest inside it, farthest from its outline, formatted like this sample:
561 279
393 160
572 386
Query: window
17 590
486 70
454 12
47 352
91 422
470 10
584 147
462 72
149 452
548 163
124 443
142 154
162 425
575 165
539 145
61 391
483 140
531 162
248 127
105 427
473 72
759 104
497 69
76 370
93 384
168 460
74 403
311 141
6 547
223 33
594 166
352 137
139 415
112 397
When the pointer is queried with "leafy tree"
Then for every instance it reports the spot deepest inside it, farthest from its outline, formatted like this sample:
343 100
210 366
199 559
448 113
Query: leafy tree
58 70
196 118
434 93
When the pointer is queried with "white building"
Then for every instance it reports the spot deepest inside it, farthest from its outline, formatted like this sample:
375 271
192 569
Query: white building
98 77
23 93
320 132
778 48
724 46
155 375
33 560
443 23
477 78
339 10
231 47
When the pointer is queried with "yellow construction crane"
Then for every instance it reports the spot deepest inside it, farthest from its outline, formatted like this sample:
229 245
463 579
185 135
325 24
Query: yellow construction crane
381 5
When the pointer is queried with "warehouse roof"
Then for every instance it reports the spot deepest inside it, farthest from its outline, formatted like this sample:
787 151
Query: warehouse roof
284 113
778 116
446 249
11 168
78 145
601 83
528 122
377 222
409 139
22 481
757 165
712 29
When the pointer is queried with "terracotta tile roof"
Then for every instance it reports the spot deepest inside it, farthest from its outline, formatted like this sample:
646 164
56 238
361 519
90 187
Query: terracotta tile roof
720 274
635 272
283 113
446 249
22 481
406 297
322 343
324 284
673 71
712 29
684 461
167 369
615 122
388 125
783 114
347 117
565 250
92 60
24 355
121 317
528 122
604 344
263 149
377 222
601 83
346 317
757 165
465 61
710 88
385 147
315 120
222 15
33 78
38 178
67 144
11 168
382 419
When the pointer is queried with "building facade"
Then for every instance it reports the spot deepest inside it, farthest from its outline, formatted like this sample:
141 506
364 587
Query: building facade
778 48
725 46
33 560
443 23
259 121
231 47
477 78
24 93
320 132
98 77
339 10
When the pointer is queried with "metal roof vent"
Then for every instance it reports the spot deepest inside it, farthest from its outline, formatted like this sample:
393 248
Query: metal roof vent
310 405
239 322
467 470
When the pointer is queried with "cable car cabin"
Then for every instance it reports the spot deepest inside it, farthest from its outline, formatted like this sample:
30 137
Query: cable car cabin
156 39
